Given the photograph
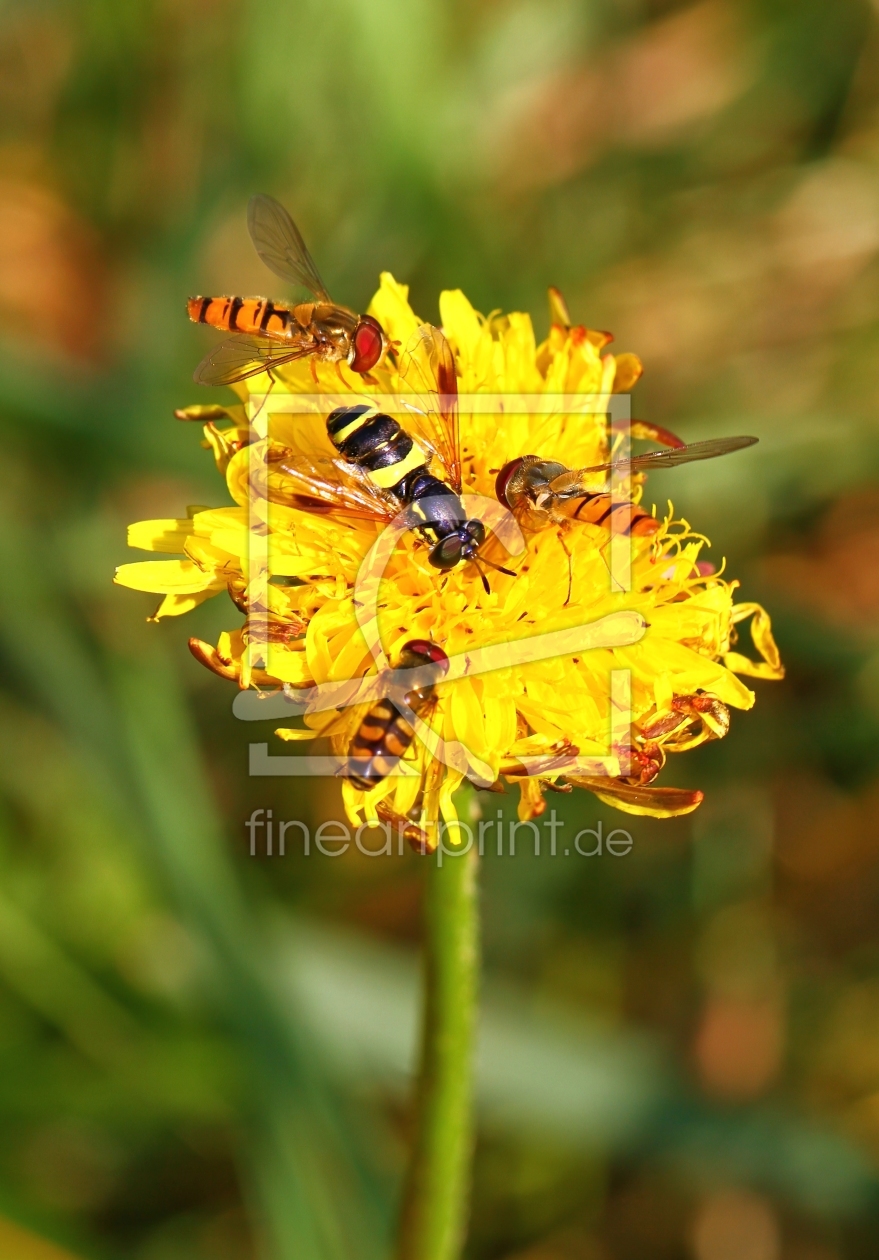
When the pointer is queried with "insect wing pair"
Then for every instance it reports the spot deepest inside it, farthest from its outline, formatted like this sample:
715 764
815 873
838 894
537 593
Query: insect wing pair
322 328
536 489
332 485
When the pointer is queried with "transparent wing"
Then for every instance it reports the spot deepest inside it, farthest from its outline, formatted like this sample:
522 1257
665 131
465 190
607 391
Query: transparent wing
242 356
570 482
321 485
279 244
427 366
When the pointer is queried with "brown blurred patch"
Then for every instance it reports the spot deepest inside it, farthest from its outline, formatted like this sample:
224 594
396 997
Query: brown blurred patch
844 1063
836 575
565 1245
36 48
739 1045
53 281
227 1237
69 1167
645 1219
827 849
736 1225
673 74
393 909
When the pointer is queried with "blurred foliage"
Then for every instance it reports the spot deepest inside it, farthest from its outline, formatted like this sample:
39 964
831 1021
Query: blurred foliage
206 1056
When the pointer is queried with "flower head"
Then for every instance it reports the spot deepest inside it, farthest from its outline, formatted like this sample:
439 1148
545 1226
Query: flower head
544 722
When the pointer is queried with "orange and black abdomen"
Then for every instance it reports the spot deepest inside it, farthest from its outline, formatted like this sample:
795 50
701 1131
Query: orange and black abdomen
382 738
244 315
620 517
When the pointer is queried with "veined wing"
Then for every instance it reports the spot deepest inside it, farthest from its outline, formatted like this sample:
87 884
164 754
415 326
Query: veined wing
427 366
279 244
245 355
569 482
321 485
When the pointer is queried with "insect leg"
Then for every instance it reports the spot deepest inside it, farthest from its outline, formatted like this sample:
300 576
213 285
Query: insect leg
271 375
561 538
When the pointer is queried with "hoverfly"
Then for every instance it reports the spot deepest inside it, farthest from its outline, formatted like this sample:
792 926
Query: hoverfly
385 734
541 492
273 333
383 468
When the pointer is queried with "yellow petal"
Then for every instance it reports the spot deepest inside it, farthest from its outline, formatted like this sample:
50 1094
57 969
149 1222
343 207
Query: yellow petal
461 323
167 577
391 308
628 371
162 535
761 634
177 605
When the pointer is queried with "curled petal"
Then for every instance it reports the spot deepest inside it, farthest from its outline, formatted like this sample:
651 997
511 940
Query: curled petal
628 371
654 802
531 802
208 656
761 635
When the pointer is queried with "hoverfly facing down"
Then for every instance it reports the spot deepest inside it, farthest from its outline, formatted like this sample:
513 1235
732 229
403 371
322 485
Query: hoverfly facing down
383 467
270 334
385 734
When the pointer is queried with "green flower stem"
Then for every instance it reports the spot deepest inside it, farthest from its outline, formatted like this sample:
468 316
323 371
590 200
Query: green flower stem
436 1195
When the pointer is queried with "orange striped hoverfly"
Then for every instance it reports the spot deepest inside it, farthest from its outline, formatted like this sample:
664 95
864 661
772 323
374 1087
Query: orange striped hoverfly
541 492
269 333
385 734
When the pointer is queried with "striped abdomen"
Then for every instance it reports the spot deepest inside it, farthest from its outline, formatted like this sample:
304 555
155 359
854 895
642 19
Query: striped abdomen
382 737
621 517
244 315
376 443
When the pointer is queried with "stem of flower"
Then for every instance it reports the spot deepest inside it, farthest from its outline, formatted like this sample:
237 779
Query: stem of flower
436 1194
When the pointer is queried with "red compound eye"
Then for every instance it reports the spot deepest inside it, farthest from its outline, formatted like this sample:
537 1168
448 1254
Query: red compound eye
368 345
431 653
503 479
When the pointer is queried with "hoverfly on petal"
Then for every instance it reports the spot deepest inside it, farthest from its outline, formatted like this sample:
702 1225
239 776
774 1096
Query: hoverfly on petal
541 492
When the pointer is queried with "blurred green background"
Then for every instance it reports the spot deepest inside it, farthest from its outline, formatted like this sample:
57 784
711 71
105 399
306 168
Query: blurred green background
204 1056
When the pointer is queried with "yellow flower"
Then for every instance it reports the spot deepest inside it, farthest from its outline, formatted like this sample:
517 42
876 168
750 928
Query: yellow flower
534 722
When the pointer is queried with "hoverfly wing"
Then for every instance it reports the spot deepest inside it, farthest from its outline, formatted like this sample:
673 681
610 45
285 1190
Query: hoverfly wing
655 459
427 365
279 244
635 798
321 485
244 355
